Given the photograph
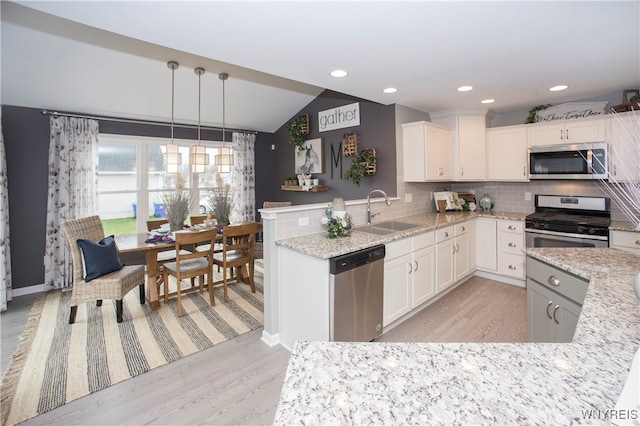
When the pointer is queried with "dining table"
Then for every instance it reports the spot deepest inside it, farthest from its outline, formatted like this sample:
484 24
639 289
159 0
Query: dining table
138 243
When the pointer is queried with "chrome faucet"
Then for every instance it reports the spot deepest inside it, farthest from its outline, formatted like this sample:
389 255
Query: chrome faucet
369 214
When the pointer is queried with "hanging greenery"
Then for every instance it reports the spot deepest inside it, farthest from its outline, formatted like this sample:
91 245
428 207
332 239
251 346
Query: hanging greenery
298 128
533 112
364 163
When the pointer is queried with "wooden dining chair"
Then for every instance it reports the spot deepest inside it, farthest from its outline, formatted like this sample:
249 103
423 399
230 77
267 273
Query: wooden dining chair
197 219
98 273
152 225
237 252
190 264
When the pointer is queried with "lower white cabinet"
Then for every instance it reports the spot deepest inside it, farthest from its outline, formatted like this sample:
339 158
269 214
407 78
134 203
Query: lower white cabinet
510 245
445 251
625 240
464 245
487 242
409 272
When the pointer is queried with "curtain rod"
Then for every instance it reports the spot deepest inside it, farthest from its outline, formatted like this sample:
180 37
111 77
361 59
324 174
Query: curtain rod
151 123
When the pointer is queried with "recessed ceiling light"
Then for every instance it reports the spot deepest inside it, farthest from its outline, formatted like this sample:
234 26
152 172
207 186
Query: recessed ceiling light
465 88
558 88
487 101
339 73
390 90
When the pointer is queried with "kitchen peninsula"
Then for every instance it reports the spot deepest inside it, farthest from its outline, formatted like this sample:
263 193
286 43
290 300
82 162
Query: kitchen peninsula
426 383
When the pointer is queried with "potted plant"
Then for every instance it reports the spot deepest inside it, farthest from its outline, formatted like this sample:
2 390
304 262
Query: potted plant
291 180
363 164
298 128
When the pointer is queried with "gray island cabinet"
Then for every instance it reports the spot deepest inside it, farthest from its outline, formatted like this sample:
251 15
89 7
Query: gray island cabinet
482 383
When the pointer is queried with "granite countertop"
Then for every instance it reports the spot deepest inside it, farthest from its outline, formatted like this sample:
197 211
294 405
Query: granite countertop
318 245
463 383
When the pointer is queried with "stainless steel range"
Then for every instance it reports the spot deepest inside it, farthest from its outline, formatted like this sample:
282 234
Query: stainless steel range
567 221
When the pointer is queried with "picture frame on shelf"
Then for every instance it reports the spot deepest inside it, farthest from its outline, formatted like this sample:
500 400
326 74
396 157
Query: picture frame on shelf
310 158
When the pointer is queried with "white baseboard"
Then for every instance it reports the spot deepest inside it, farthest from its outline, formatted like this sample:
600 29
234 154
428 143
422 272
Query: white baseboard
23 291
270 339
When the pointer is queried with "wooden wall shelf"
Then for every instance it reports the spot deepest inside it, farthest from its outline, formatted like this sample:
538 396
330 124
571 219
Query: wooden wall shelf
314 188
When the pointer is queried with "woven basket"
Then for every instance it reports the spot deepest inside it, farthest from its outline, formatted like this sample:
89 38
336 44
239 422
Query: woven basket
371 169
304 127
349 144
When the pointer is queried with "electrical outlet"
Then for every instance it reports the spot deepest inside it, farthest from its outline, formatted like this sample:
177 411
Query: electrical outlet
408 198
527 196
303 221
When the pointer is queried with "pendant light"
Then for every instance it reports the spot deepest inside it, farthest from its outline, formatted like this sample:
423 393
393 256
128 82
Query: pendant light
224 159
172 158
199 159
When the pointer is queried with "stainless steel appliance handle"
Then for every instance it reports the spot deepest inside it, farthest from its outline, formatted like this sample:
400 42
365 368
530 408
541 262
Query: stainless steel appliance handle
566 234
590 162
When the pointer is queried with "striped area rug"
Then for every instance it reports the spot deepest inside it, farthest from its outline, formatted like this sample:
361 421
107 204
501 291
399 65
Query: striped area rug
57 363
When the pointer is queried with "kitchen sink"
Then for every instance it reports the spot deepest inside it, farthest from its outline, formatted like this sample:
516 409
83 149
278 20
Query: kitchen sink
384 228
394 225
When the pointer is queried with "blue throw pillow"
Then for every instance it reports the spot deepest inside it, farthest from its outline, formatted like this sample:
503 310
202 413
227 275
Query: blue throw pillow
100 258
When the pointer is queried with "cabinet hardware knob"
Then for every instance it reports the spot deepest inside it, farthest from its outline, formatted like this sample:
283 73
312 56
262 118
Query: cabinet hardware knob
554 314
464 229
416 268
513 268
512 245
512 228
553 281
548 314
446 234
638 242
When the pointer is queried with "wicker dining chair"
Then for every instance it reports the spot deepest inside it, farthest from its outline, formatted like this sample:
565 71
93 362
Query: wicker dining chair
114 285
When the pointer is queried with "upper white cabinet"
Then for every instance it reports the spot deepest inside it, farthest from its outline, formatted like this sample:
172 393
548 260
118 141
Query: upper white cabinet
507 155
426 152
567 132
624 158
469 143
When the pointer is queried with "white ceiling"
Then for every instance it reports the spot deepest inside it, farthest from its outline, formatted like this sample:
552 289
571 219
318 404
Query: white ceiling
109 58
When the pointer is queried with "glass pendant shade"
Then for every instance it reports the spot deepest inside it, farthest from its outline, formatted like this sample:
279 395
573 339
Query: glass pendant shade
172 158
199 159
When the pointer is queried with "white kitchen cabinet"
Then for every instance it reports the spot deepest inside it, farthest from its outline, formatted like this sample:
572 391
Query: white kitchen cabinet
444 258
409 275
511 260
469 143
625 240
426 152
464 250
567 132
487 243
507 154
624 158
554 302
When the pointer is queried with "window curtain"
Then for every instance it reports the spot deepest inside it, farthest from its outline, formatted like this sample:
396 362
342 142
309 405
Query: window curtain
243 181
6 294
73 183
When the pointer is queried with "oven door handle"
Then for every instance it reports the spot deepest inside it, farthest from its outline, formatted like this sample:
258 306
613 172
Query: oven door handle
566 234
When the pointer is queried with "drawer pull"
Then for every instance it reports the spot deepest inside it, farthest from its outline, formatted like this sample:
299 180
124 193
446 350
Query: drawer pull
410 267
553 281
512 228
513 268
548 314
416 268
554 313
512 245
446 234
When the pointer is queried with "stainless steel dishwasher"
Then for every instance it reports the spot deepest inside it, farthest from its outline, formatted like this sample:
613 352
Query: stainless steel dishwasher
356 295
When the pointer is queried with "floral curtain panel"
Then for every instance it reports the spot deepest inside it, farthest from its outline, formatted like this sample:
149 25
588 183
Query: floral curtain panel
73 183
243 180
5 253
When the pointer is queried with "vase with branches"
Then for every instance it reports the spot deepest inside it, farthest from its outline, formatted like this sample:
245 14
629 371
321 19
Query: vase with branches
221 201
176 204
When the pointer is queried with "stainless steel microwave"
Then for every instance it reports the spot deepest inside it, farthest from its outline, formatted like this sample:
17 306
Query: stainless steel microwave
577 161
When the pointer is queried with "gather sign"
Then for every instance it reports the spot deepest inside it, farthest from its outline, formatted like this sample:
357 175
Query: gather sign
339 118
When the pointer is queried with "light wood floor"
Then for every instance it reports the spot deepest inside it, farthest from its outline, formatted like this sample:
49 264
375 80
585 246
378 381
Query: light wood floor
239 381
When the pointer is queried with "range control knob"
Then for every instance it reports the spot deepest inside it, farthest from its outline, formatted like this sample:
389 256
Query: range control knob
546 226
592 230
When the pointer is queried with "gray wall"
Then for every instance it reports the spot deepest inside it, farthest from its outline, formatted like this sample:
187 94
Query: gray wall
376 130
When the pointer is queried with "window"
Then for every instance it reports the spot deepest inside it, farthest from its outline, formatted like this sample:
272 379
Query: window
132 178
